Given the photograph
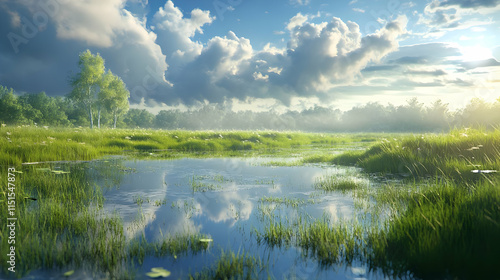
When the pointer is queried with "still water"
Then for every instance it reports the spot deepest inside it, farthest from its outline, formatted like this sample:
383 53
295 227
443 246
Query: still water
222 198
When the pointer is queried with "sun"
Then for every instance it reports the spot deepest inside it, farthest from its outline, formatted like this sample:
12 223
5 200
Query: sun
475 53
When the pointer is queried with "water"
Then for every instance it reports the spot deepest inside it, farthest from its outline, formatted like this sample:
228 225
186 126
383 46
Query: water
156 199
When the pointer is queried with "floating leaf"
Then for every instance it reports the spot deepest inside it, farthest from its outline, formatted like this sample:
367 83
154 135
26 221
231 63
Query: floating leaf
484 171
68 273
158 272
206 240
43 169
59 172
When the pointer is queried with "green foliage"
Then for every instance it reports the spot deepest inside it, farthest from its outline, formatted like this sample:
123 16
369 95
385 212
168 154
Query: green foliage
136 118
445 230
86 83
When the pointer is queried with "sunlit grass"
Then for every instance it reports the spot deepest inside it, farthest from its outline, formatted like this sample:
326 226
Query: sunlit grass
33 144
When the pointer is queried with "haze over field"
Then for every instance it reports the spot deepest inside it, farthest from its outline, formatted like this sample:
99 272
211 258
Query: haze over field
258 55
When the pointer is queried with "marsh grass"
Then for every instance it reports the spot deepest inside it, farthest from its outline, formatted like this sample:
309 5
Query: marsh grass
339 182
232 265
33 144
444 230
64 228
329 243
453 155
291 202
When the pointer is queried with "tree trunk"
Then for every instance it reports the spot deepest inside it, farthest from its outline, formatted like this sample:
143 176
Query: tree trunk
90 109
90 115
99 117
116 117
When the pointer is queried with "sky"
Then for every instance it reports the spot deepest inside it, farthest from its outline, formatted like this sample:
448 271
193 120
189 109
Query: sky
259 55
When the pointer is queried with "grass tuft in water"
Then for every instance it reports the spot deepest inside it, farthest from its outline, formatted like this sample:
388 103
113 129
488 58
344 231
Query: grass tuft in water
233 266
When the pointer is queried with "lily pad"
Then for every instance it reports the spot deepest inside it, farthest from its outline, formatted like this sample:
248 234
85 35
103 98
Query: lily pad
43 169
206 240
59 172
484 171
158 272
68 273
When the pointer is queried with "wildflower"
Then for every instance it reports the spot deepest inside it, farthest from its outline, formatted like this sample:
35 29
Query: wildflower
4 125
128 138
46 127
8 133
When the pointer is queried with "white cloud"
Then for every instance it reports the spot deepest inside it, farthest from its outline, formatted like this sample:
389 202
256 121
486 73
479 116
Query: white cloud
441 16
358 10
297 20
299 2
175 32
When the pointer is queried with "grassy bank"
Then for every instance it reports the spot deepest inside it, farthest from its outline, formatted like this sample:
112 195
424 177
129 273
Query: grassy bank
32 144
454 155
443 224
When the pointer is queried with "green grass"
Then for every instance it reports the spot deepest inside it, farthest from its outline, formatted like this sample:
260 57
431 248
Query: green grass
446 229
453 155
339 182
65 229
233 266
328 243
32 144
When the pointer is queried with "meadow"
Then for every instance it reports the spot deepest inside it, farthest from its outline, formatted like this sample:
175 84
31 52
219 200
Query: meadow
433 214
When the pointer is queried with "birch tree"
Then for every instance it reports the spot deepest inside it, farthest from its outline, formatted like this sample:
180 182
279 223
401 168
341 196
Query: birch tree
86 84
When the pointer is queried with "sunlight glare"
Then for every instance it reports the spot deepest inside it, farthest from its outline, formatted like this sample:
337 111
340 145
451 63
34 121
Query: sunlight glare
475 53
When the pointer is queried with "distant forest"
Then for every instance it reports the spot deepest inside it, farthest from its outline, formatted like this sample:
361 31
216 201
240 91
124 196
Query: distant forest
42 110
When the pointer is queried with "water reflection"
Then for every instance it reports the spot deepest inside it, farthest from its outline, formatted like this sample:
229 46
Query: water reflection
159 198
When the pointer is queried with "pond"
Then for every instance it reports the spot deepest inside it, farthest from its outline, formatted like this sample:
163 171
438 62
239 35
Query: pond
229 200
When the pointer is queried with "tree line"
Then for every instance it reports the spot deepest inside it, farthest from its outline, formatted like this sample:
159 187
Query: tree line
100 95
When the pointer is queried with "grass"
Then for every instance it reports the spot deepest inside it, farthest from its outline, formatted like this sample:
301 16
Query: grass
64 227
328 243
32 144
444 223
447 229
339 182
233 266
453 155
292 202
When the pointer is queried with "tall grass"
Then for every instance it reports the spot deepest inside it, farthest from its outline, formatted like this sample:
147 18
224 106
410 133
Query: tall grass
32 144
233 266
453 155
64 228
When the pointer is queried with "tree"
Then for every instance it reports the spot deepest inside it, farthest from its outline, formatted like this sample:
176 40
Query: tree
86 83
167 119
139 118
113 96
43 109
10 109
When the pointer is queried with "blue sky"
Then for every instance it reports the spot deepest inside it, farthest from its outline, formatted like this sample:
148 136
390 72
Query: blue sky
260 55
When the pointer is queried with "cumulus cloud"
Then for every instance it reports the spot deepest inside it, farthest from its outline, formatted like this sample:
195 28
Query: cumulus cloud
175 32
66 28
318 56
441 15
